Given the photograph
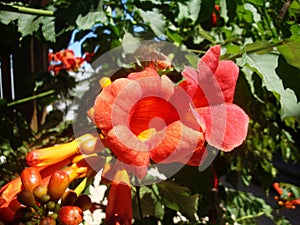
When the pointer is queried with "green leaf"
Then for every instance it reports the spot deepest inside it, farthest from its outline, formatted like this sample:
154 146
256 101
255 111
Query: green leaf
156 21
183 13
150 203
265 66
86 22
6 17
127 43
291 52
27 24
257 2
178 198
223 10
48 29
194 7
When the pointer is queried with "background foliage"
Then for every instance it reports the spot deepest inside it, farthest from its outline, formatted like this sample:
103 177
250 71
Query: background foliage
262 37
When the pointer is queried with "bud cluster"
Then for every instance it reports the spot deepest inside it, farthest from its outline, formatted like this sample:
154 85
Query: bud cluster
50 204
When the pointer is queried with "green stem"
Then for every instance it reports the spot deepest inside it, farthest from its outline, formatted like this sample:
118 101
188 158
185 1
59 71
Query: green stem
250 217
27 10
23 100
255 50
139 203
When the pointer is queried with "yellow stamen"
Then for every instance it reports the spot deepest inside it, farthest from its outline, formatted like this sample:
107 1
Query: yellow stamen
104 82
147 134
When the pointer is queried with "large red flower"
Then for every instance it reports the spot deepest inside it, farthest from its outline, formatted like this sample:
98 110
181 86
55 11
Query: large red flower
145 116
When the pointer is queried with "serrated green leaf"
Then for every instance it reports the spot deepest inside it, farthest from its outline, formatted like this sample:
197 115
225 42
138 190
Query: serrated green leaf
48 29
178 198
156 21
6 17
265 66
27 24
291 52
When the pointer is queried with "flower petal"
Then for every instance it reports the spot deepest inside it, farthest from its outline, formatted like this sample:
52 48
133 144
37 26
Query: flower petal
104 101
176 143
227 74
129 149
226 125
211 58
146 72
214 81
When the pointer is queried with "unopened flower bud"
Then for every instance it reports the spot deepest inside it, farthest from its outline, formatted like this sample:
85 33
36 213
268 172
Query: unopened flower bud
48 221
26 197
70 215
58 184
31 178
68 198
84 202
39 191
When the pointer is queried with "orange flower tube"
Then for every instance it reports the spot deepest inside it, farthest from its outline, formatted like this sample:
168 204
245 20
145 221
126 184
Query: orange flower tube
51 155
119 207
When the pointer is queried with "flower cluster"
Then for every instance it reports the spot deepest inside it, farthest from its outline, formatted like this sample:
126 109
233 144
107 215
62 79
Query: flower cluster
147 117
34 195
66 60
286 199
144 118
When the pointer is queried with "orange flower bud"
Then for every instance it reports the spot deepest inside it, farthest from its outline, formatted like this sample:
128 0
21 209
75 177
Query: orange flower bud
70 215
58 184
51 155
31 178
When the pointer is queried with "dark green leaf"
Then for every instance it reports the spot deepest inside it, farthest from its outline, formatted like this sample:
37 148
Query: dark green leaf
291 52
178 198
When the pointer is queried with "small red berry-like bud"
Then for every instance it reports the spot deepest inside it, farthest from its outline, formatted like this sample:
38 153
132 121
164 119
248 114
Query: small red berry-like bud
58 184
84 202
26 197
68 198
70 215
31 178
48 221
39 191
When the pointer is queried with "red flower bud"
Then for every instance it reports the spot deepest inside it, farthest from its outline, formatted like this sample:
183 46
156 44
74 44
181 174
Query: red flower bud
84 202
26 197
70 215
31 178
58 184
